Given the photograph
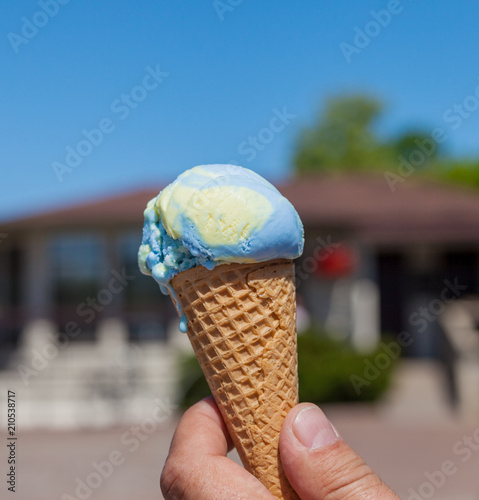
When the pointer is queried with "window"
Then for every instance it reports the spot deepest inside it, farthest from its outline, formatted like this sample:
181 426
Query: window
77 264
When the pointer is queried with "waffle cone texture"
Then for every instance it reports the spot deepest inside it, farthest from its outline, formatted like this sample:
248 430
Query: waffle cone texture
242 326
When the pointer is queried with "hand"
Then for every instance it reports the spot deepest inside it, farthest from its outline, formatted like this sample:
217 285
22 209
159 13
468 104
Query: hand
317 462
320 465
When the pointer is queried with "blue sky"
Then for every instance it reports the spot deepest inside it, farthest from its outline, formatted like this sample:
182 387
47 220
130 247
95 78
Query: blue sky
224 70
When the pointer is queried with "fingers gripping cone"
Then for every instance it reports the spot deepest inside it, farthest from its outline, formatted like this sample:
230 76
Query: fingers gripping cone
242 325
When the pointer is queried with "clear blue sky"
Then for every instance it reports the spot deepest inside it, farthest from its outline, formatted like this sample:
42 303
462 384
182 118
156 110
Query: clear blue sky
225 79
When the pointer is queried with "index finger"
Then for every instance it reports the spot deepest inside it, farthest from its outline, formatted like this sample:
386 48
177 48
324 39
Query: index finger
203 425
197 467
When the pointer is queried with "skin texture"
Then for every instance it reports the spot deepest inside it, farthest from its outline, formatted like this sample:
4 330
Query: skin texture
325 469
197 467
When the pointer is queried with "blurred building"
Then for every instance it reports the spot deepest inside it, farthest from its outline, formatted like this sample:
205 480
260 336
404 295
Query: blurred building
376 262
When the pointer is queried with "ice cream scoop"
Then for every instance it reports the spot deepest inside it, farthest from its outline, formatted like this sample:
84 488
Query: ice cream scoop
217 214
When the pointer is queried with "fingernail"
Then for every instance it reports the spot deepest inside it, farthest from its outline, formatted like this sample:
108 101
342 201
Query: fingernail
313 429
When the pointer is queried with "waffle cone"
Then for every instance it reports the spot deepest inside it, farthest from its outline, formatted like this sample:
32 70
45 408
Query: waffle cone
242 326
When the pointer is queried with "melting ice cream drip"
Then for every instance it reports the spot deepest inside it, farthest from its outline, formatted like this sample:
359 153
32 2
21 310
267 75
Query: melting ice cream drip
212 215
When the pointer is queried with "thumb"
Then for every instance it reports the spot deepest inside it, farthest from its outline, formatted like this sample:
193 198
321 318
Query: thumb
320 465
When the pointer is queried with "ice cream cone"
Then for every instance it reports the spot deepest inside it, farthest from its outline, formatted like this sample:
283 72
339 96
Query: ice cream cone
242 326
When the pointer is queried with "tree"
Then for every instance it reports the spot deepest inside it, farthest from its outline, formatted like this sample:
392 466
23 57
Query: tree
344 139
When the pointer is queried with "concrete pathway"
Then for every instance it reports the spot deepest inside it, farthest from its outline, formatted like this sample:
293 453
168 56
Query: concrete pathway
53 465
412 439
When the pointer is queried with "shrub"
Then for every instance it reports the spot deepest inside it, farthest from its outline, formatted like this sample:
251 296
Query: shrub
325 368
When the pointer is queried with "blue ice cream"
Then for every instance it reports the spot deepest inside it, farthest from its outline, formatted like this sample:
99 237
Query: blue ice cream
217 214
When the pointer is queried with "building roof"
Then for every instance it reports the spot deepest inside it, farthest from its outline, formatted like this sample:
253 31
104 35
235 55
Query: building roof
416 211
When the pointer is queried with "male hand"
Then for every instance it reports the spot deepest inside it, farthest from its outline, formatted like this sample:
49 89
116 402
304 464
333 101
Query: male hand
317 462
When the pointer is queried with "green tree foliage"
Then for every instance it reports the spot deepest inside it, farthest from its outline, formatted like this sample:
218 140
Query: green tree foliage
459 172
344 139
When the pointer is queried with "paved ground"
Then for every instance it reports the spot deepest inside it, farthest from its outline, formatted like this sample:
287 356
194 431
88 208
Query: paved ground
54 465
406 439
